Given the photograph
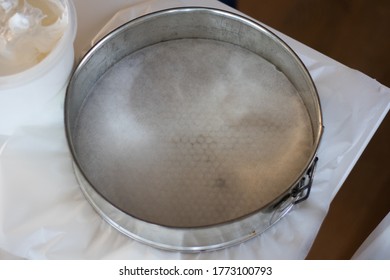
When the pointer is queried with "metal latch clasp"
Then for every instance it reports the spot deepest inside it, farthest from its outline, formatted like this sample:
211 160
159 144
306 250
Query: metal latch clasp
302 190
297 194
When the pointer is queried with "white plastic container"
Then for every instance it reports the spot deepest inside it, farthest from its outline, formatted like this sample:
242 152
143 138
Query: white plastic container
23 94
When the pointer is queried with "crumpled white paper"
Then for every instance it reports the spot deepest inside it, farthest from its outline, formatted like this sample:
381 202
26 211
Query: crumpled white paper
43 214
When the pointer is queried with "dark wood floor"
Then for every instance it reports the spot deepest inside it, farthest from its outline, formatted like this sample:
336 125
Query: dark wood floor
357 34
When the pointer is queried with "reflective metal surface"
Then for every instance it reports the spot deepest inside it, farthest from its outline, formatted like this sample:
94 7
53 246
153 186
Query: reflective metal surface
190 127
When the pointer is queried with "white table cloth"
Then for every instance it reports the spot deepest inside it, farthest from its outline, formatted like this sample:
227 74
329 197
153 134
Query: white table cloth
44 215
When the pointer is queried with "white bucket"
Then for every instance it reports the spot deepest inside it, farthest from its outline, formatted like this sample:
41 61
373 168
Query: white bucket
23 94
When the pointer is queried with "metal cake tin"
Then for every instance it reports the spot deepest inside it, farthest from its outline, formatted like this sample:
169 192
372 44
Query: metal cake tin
193 129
